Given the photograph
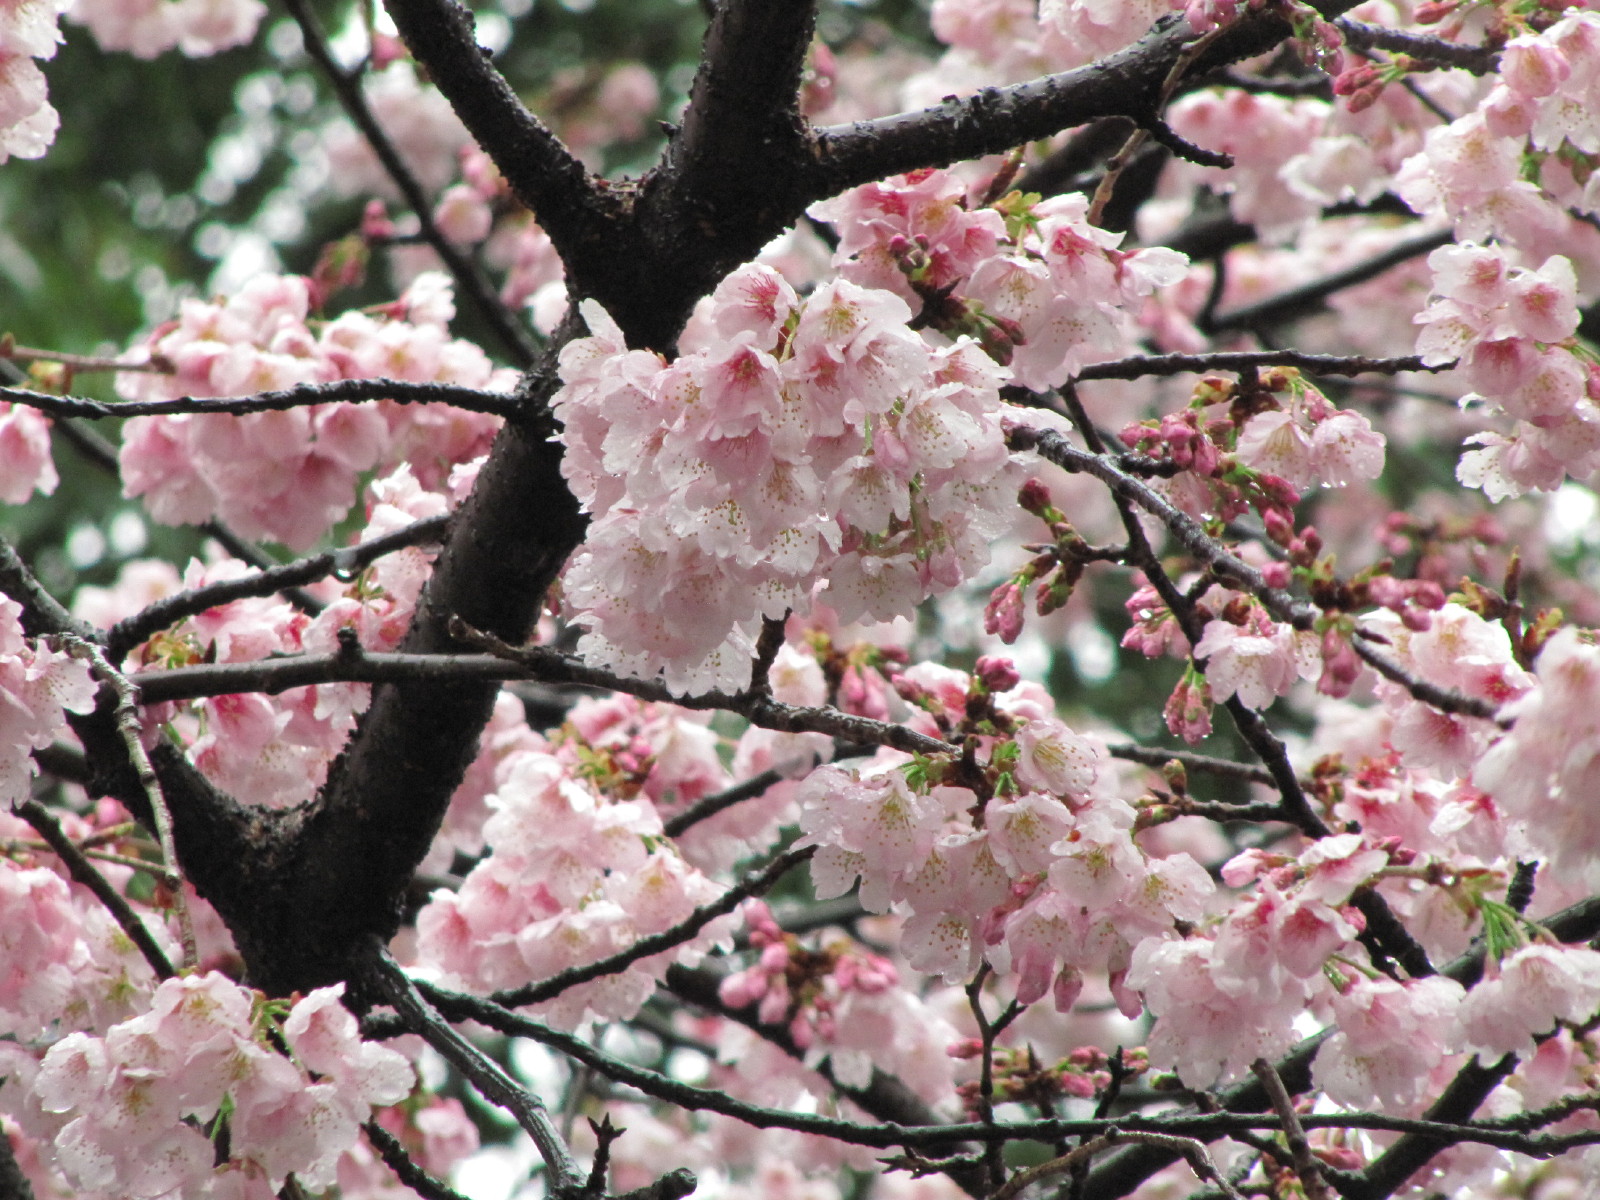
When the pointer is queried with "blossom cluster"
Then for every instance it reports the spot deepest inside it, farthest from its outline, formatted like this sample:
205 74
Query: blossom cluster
1035 282
146 28
62 953
841 1002
276 748
1511 329
573 873
1474 171
827 448
1225 999
1539 772
811 443
290 474
38 687
1042 876
28 32
136 1109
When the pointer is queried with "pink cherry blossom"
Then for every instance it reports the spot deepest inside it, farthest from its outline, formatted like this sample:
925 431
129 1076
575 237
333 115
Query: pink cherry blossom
1535 987
1257 661
1390 1035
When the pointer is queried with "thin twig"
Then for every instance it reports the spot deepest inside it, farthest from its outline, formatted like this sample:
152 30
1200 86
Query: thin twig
83 871
710 806
405 1167
1444 699
487 1076
1224 565
1192 1150
1304 299
356 665
1148 128
305 395
1305 1162
347 87
127 718
670 938
1142 365
1153 756
1479 60
80 364
130 631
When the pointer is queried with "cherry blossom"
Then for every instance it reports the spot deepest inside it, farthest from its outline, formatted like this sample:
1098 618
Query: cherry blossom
809 515
38 687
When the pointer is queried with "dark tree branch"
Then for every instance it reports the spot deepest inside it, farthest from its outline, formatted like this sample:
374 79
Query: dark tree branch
1184 528
301 396
1436 52
1411 1153
405 1168
1128 83
570 204
1305 1162
1155 756
1142 365
745 101
469 278
354 665
353 852
668 939
130 631
1300 301
710 806
247 551
42 613
1444 699
1384 935
395 987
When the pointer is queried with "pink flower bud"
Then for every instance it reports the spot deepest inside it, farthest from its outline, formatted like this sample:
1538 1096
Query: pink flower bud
742 988
997 674
1340 666
1188 711
1002 616
775 958
1277 574
375 222
1034 497
1068 986
1080 1086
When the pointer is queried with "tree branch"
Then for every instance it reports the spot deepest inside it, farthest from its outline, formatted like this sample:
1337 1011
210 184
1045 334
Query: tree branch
1305 1162
570 204
355 665
405 1168
1299 301
345 860
130 631
1184 528
390 982
469 278
1434 51
1128 83
1143 365
753 884
301 396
